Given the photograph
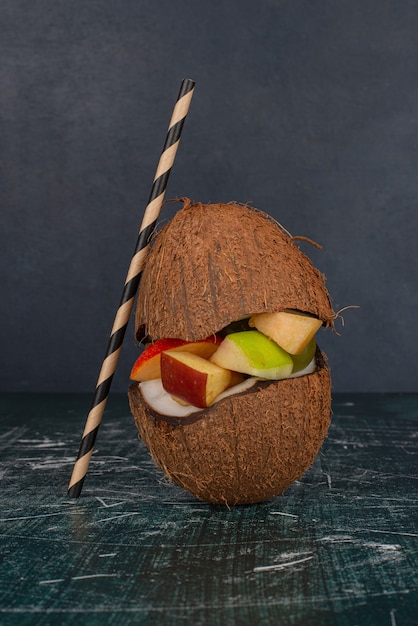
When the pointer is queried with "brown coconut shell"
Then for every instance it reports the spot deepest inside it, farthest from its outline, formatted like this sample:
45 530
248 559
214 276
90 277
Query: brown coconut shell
216 263
246 448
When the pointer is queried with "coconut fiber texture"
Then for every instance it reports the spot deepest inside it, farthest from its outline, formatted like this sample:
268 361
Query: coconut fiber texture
216 263
246 448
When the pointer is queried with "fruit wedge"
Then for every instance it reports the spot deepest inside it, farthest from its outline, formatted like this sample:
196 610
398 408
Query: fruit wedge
290 329
251 352
193 379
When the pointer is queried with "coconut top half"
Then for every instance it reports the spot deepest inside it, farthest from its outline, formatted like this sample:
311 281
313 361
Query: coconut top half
213 264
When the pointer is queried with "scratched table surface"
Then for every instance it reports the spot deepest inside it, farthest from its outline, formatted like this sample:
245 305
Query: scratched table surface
338 548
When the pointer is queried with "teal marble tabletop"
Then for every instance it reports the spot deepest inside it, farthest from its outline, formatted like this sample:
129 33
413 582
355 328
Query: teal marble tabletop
338 548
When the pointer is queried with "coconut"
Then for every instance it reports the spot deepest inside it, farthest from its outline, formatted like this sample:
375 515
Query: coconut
210 266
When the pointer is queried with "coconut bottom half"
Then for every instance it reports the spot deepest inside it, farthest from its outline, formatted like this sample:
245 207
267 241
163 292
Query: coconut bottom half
246 448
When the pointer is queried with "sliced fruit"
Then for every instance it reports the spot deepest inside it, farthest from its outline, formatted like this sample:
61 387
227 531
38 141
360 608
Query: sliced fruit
292 330
251 352
302 360
192 378
147 366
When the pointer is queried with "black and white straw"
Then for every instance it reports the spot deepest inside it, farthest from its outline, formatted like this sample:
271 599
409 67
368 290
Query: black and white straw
124 311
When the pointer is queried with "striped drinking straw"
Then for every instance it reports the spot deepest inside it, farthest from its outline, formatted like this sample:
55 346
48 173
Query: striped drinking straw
123 313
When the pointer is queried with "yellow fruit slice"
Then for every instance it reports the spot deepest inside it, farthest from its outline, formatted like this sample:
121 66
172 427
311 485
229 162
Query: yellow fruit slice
290 329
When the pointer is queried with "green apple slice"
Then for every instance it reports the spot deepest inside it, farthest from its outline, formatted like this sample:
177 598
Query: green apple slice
302 360
251 352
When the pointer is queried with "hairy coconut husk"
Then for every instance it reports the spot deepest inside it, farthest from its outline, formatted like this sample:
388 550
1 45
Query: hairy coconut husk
216 263
246 448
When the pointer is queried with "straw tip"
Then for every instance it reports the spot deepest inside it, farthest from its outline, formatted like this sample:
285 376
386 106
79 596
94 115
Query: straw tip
74 491
188 82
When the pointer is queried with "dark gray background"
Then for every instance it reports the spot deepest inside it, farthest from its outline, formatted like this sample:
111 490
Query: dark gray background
308 109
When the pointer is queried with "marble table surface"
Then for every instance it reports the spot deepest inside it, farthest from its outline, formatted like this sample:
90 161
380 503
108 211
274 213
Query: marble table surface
338 548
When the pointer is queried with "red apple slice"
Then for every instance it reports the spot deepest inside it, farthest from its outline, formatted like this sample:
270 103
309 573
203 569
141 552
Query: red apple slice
192 378
147 366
